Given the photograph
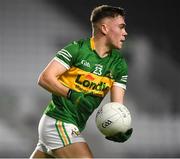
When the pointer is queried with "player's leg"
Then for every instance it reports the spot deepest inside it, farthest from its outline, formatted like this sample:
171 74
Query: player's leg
61 139
69 142
41 152
75 150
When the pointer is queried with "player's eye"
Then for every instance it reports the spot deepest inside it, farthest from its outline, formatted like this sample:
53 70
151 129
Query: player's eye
122 26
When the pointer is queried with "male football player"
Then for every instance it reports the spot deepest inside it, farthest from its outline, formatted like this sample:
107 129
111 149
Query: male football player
79 77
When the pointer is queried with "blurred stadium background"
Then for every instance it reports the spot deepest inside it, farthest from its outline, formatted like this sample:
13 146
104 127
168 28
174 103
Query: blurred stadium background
31 31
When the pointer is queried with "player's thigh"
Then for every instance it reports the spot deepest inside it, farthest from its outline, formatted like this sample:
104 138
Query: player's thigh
75 150
40 154
64 139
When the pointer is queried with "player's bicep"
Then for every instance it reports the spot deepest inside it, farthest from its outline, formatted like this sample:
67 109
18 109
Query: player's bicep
117 94
53 69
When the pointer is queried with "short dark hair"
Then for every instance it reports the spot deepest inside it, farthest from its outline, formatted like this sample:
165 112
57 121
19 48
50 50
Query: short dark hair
104 11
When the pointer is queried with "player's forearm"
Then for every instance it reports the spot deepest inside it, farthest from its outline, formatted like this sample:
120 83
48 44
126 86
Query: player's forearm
52 85
117 94
119 99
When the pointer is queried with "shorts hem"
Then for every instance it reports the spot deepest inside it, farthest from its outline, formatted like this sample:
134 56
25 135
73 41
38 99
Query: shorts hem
58 147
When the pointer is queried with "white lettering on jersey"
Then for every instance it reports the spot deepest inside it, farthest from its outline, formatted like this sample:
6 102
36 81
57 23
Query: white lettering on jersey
85 63
98 69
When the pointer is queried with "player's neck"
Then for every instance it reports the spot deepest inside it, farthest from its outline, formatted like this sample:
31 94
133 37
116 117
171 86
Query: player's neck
100 46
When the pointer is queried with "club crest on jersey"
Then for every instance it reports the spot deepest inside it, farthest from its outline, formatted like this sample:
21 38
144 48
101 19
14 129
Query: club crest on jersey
88 82
75 132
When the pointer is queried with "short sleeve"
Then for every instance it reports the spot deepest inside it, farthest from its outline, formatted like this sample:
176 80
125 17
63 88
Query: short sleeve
121 74
67 55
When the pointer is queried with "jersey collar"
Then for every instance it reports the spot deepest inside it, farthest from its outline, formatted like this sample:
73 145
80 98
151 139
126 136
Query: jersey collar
92 43
92 46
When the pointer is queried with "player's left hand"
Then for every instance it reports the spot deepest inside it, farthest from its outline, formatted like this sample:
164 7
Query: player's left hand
121 137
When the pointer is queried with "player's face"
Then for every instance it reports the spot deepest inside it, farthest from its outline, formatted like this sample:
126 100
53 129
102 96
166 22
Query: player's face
116 32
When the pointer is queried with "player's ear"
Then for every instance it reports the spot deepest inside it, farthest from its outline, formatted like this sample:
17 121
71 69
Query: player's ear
104 29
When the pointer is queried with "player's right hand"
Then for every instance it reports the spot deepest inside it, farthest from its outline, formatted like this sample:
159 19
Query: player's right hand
74 96
121 137
83 101
80 98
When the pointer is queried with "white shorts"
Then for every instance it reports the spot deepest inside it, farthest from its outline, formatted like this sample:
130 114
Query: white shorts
55 134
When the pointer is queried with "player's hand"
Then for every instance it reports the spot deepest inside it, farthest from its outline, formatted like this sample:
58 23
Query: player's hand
83 101
75 97
80 98
121 137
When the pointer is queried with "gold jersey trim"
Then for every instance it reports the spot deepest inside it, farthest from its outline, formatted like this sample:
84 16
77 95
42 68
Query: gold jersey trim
92 43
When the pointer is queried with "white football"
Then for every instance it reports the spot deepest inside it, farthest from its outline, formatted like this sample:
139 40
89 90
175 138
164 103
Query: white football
113 118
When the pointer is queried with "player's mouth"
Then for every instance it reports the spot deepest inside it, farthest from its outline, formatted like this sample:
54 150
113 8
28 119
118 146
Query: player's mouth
122 40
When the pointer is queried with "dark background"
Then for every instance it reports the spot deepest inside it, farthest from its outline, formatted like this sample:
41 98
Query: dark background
32 31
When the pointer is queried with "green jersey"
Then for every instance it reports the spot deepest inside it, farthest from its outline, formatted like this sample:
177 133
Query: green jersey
86 72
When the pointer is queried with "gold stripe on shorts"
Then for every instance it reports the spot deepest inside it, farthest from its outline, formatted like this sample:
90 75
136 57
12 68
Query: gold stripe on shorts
63 133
